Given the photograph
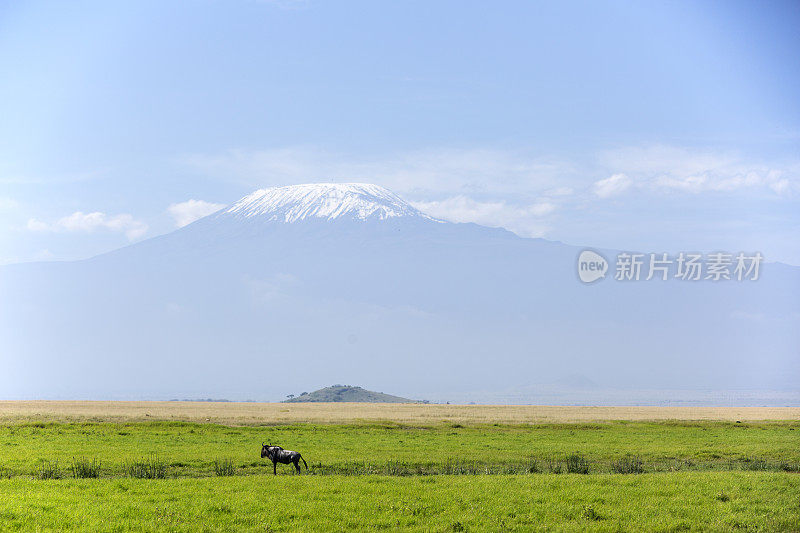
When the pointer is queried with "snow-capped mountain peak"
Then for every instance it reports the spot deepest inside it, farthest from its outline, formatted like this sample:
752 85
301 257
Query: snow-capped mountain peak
354 201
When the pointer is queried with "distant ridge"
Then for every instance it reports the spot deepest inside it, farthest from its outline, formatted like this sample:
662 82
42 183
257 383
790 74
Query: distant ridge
347 393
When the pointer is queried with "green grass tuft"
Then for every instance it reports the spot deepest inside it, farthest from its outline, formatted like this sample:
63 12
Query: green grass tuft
224 467
630 464
148 468
83 468
577 464
48 470
590 514
756 464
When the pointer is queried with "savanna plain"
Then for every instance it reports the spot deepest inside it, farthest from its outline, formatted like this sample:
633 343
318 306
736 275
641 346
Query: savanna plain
196 466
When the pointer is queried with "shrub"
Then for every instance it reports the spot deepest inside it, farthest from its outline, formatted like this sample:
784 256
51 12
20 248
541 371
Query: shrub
83 468
224 467
150 468
630 464
48 470
554 466
756 464
590 514
577 464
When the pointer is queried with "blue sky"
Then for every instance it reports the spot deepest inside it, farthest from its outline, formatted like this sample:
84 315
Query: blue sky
643 126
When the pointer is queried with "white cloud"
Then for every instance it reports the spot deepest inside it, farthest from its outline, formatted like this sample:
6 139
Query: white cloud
523 220
612 186
780 186
475 172
38 225
91 222
187 212
668 168
418 173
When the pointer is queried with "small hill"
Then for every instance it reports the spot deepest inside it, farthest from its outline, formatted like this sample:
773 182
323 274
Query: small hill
347 393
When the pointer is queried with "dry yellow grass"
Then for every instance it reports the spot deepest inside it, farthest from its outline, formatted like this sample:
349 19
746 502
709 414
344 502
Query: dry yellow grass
235 413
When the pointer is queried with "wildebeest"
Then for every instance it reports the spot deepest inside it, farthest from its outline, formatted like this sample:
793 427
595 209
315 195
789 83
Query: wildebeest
276 454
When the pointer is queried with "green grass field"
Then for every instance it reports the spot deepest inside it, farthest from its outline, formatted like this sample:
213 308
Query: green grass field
190 449
750 501
697 475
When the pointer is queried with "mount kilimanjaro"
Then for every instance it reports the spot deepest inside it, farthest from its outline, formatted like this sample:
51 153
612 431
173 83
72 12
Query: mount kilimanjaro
292 287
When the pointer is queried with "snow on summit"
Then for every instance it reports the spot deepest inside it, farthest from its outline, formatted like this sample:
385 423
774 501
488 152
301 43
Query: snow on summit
356 201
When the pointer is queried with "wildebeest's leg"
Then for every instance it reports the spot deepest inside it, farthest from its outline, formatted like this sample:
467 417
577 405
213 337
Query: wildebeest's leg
275 467
297 464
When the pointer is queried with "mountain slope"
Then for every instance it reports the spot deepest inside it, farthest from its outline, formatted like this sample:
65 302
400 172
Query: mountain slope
294 287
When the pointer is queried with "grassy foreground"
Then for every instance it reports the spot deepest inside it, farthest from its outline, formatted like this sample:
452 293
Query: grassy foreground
752 501
190 449
84 468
